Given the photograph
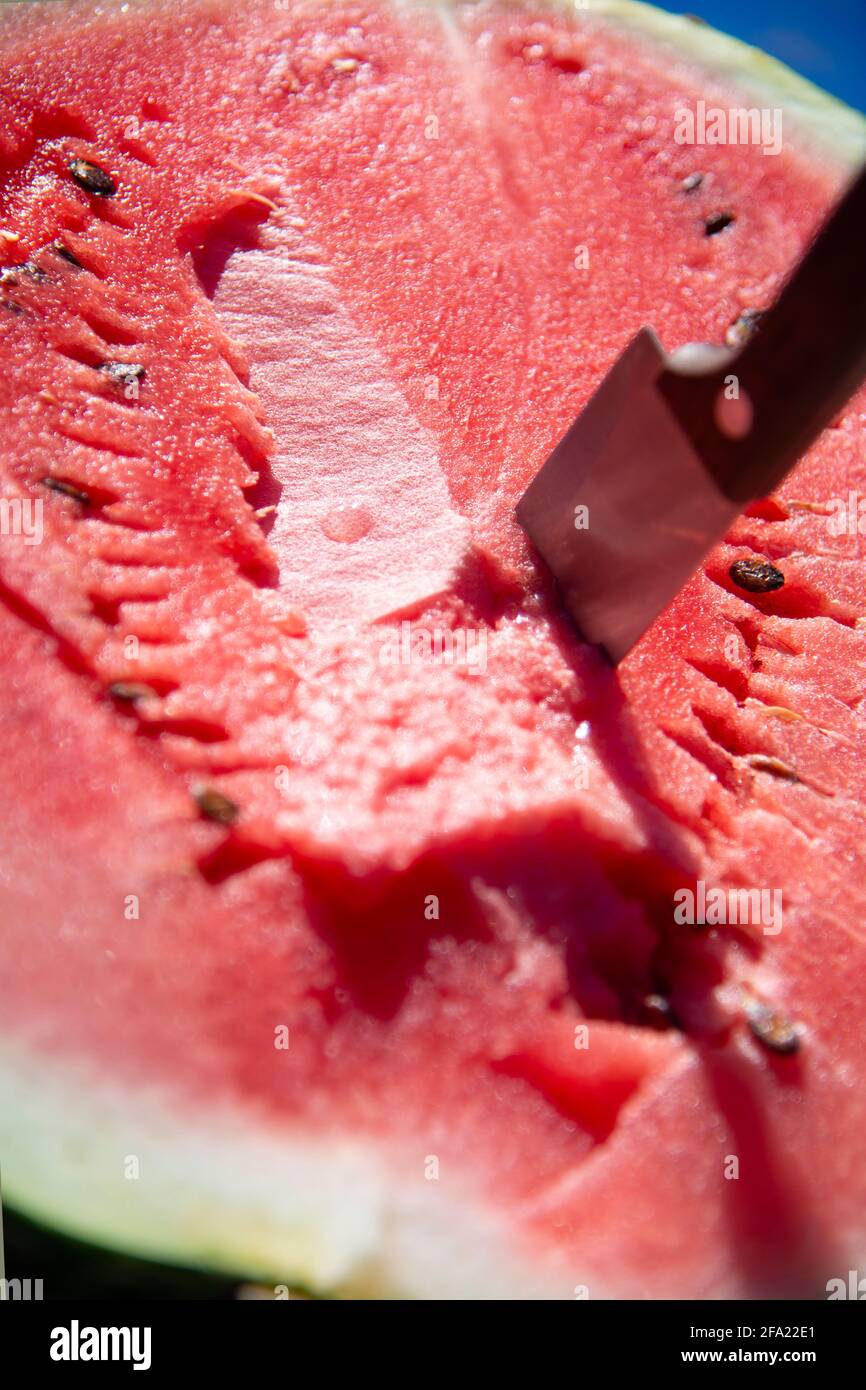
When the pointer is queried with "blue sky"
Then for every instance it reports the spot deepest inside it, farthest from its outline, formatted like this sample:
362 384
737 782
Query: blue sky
825 40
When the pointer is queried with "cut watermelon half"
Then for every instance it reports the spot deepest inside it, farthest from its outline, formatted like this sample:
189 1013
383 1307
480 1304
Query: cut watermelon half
340 881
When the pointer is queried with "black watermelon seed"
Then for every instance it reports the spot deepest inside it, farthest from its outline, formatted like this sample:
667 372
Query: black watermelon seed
740 331
691 182
122 373
214 806
11 274
758 576
92 179
718 222
67 490
69 256
129 691
658 1012
772 1030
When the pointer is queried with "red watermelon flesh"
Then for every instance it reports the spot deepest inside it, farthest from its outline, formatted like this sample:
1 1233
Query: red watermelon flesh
360 958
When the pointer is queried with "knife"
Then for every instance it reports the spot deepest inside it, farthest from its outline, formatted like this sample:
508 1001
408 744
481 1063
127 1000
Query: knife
670 448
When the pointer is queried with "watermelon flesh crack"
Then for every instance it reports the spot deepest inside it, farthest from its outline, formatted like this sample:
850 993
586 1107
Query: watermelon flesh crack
341 271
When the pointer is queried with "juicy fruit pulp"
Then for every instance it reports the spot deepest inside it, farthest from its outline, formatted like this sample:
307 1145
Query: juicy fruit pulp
360 267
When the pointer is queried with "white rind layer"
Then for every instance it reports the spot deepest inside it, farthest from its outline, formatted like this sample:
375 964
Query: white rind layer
227 1190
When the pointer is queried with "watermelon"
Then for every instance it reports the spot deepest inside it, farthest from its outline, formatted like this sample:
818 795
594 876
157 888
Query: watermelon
363 930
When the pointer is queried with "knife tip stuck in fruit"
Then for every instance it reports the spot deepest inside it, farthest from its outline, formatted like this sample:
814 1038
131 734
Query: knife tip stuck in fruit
662 459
